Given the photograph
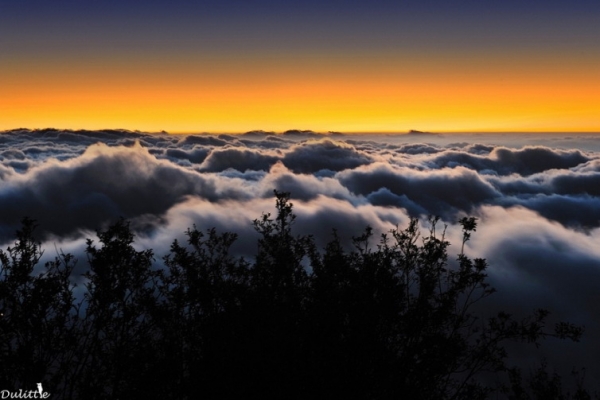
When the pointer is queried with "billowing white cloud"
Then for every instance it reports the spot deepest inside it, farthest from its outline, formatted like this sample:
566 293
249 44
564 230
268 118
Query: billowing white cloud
537 197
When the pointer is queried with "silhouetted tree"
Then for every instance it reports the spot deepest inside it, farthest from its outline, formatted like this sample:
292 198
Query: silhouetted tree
541 385
38 315
116 348
392 318
201 295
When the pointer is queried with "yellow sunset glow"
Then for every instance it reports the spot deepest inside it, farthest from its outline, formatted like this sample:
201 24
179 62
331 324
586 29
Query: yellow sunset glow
342 93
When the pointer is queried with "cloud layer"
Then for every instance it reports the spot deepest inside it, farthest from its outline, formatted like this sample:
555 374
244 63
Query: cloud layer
536 196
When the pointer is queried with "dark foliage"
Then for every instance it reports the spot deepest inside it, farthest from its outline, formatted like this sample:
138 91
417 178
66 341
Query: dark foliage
390 320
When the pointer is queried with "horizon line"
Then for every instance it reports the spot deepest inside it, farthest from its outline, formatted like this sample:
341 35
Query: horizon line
291 132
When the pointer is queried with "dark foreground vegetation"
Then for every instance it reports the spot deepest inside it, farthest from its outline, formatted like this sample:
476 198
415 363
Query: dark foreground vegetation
390 320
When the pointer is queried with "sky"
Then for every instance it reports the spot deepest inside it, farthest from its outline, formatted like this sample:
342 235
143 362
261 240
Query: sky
351 66
348 66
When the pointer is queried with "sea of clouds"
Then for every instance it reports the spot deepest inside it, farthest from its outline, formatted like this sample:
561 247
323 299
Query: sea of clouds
536 197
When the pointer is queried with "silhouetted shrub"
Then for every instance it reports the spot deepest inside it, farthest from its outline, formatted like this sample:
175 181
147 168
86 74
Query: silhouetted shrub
393 320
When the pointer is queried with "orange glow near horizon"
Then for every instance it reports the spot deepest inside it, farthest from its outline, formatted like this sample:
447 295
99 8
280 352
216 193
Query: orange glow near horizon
368 93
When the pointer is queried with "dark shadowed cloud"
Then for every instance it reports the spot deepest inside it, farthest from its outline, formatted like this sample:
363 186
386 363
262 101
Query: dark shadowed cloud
313 156
241 159
441 192
98 186
505 161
